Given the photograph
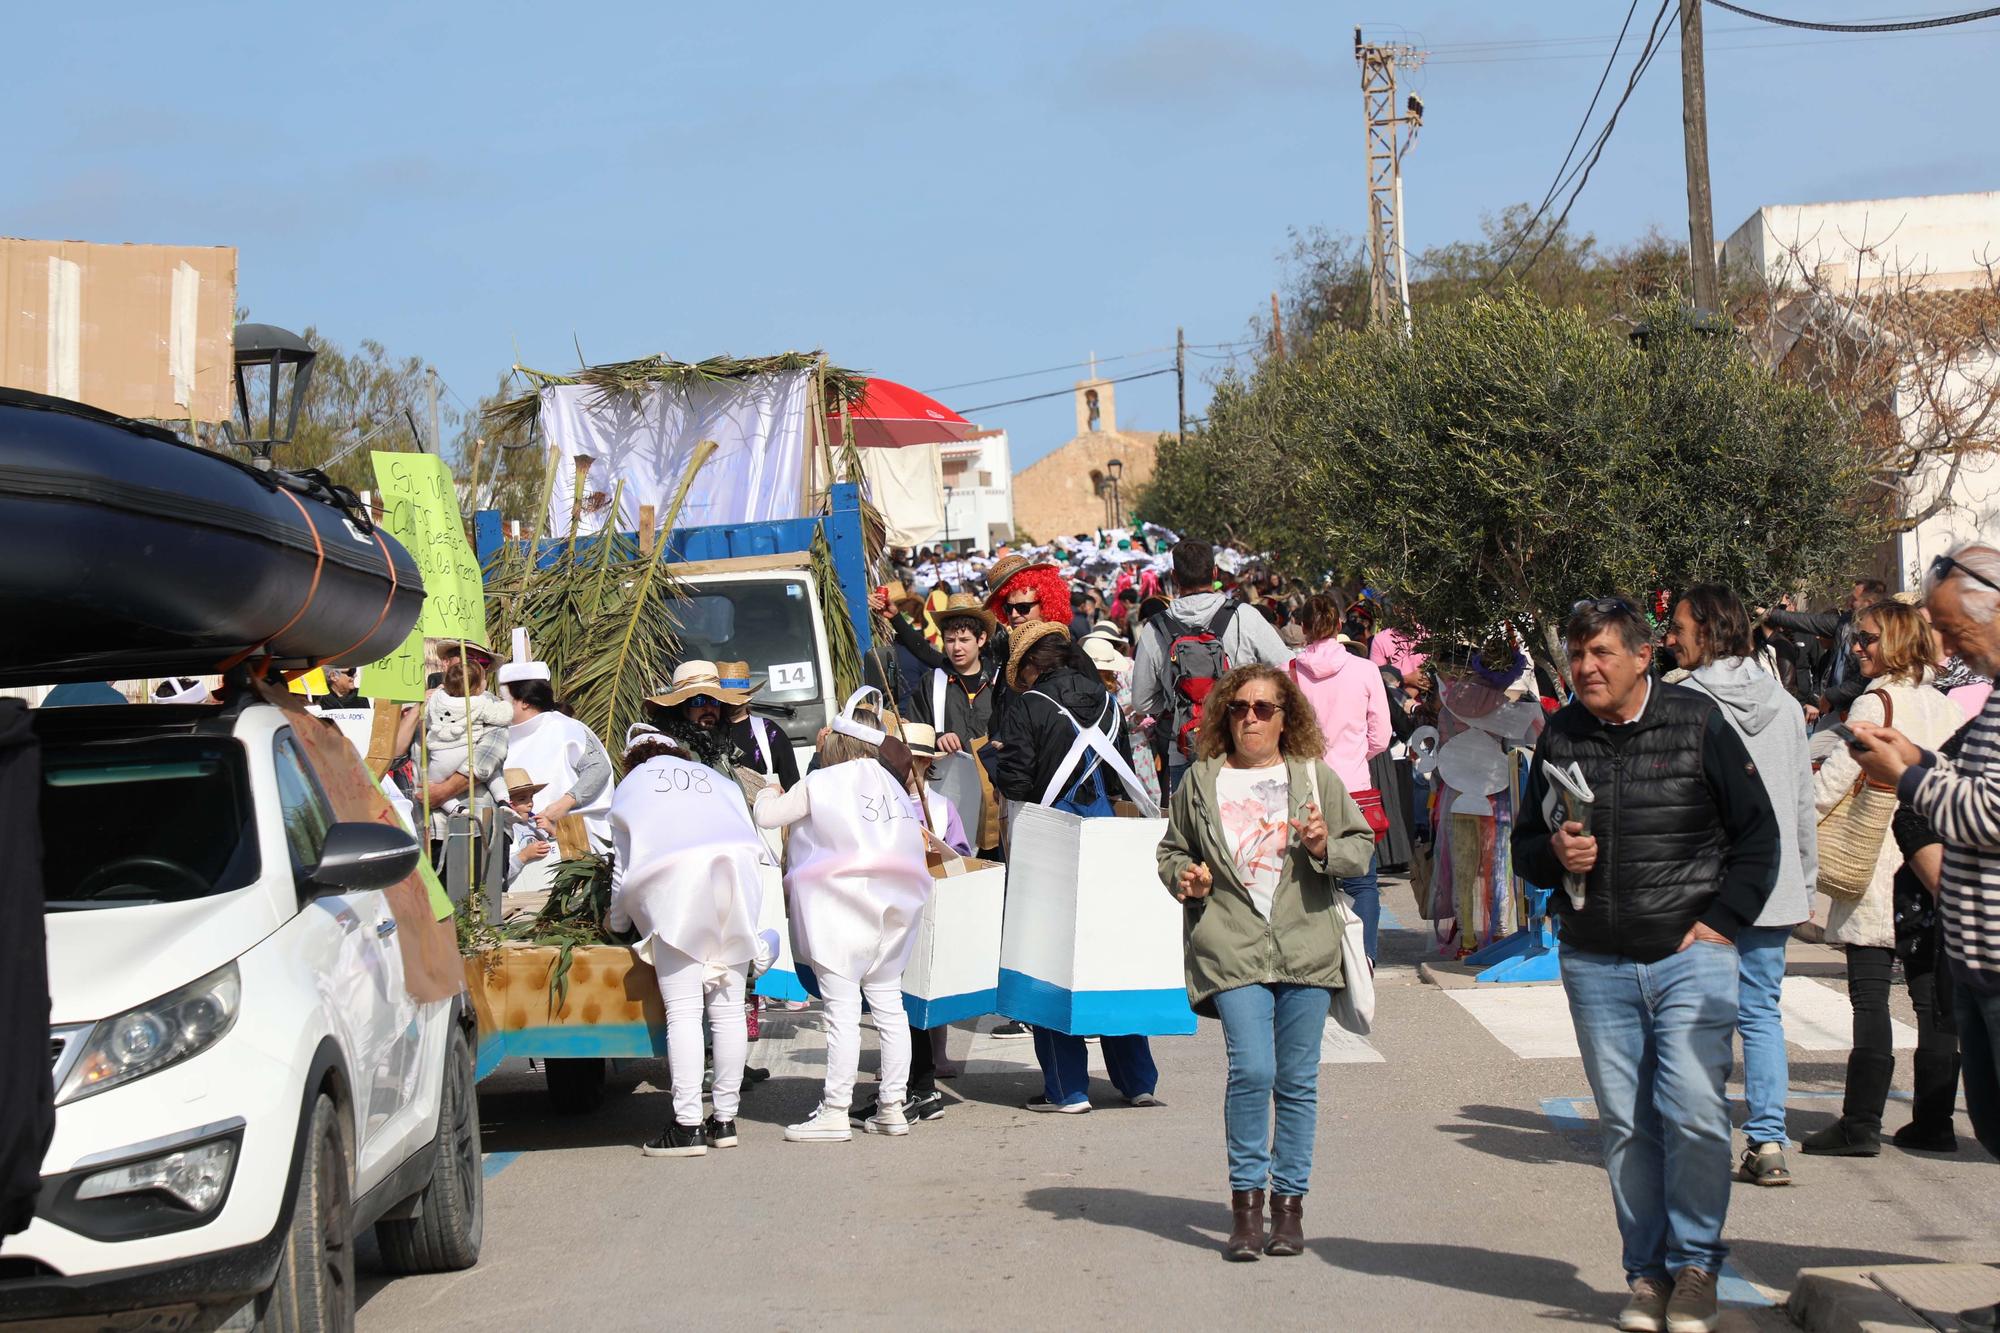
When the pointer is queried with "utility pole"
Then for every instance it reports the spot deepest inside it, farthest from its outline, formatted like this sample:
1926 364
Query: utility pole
1694 126
431 399
1277 329
1384 140
1180 381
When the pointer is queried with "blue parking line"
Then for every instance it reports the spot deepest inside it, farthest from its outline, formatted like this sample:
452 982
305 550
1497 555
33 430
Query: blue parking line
496 1162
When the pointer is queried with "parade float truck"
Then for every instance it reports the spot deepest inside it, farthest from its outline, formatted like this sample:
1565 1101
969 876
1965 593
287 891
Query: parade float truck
750 592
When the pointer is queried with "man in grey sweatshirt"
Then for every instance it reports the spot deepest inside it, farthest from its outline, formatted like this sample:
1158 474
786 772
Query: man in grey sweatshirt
1710 637
1247 637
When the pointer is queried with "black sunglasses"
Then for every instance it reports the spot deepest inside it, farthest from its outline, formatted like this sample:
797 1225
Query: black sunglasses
1019 608
1608 606
1262 709
1942 567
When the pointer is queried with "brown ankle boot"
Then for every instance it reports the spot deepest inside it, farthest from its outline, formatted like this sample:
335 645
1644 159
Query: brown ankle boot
1247 1240
1288 1235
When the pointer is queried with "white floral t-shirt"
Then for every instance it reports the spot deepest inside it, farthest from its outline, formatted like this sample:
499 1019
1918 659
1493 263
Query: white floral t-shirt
1255 803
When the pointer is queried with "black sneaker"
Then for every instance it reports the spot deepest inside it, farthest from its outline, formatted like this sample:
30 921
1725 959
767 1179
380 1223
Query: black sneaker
924 1105
1011 1031
678 1140
721 1133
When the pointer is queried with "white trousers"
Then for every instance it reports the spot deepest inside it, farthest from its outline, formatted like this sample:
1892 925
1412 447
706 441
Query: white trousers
684 984
843 1034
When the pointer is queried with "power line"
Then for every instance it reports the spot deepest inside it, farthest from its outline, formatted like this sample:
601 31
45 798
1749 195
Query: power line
1655 39
1048 370
1907 26
1061 393
1555 186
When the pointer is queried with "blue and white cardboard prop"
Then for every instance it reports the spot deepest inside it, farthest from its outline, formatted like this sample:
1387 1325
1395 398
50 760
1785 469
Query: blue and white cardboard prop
1091 942
954 968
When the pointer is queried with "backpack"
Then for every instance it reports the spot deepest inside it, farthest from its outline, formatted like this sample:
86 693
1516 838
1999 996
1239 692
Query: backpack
1195 662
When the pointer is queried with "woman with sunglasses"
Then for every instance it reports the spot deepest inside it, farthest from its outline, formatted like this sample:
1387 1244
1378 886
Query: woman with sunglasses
1259 837
1894 649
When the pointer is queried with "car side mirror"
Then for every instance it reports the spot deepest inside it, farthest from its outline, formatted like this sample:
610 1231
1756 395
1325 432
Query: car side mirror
358 856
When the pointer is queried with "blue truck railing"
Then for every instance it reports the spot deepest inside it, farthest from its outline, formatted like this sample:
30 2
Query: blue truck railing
725 541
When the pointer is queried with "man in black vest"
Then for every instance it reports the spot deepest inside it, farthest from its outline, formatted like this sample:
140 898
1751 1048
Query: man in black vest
1680 851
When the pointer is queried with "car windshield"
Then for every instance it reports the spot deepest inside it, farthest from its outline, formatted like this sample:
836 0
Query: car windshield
769 624
164 819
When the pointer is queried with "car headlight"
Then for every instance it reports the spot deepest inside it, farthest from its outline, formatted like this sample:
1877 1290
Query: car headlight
158 1033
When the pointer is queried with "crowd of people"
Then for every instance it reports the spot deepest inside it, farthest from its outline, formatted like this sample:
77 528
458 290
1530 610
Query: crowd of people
1737 765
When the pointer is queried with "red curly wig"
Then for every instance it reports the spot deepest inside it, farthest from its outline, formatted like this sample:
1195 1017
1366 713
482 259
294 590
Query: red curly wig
1047 585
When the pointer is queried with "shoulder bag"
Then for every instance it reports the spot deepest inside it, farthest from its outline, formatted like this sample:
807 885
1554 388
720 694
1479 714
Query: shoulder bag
1354 1003
1850 834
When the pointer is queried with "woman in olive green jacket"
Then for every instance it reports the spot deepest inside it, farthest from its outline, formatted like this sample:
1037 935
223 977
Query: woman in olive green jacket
1259 836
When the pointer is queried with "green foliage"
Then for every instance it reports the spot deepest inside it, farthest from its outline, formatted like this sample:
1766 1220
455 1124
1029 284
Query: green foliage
1512 458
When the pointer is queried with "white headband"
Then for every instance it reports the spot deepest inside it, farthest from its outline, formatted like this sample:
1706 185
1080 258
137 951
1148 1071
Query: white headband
860 731
637 730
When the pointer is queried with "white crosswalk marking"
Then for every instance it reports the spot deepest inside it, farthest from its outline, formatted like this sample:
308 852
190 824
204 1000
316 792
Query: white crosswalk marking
1534 1023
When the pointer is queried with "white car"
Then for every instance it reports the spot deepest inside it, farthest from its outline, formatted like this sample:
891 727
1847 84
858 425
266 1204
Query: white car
243 1083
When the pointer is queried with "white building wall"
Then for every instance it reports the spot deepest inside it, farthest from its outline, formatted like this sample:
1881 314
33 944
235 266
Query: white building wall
979 511
1945 235
1974 509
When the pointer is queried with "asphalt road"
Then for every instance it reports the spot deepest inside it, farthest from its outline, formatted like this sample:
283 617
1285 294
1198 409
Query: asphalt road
1457 1185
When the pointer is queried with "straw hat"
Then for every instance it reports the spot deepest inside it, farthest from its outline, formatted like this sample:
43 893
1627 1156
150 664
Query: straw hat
736 676
1006 567
921 737
521 787
966 606
1024 637
1104 653
698 678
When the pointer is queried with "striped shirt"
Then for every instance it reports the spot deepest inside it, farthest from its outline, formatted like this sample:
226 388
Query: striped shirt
1961 799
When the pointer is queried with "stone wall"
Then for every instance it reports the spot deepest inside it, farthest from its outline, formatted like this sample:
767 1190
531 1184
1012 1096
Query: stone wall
1055 496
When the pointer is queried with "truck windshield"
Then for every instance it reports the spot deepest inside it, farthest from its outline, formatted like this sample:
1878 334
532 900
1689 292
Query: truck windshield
164 819
769 624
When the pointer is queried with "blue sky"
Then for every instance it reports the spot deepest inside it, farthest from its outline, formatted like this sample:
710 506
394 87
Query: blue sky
939 193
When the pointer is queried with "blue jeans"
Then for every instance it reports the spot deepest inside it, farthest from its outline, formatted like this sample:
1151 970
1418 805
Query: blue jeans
1065 1063
1272 1034
1656 1047
1979 1050
1366 890
1760 970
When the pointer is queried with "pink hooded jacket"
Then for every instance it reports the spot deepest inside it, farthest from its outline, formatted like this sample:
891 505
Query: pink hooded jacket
1346 690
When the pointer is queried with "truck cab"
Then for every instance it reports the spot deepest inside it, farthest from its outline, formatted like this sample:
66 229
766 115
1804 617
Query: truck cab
765 610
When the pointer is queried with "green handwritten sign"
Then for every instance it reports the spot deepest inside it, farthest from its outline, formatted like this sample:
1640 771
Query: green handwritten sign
420 509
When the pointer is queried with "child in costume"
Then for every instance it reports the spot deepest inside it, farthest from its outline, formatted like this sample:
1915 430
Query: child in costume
685 876
857 883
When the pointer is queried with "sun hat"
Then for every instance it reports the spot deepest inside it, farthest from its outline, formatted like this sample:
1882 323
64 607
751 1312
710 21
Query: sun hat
697 677
521 787
1006 567
921 737
737 676
1024 637
966 606
1104 653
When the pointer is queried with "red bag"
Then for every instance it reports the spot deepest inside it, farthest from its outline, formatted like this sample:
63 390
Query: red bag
1372 810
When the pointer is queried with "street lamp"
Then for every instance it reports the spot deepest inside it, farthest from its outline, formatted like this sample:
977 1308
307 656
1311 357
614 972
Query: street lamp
947 518
261 346
1115 469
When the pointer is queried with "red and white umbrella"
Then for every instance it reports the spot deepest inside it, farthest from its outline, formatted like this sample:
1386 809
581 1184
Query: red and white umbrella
891 415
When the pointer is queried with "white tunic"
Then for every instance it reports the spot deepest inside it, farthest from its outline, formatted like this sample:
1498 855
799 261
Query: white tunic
548 746
686 862
858 879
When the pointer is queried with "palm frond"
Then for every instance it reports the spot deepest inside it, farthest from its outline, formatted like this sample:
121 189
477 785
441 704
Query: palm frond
626 378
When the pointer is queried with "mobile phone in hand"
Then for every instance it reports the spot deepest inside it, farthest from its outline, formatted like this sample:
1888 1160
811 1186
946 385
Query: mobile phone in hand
1846 733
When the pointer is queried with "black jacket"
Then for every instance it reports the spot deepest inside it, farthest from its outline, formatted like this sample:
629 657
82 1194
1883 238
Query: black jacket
1684 829
1840 675
1035 734
27 1101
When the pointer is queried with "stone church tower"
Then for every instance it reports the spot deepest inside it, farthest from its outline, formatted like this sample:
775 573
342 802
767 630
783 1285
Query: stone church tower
1077 488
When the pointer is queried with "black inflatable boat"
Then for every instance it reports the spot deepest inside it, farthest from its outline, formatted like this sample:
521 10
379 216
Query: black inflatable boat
126 553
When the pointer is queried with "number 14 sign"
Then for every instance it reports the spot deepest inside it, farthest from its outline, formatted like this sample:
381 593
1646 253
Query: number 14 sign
792 676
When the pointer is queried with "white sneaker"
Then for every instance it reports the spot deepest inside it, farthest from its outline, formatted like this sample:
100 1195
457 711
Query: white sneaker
827 1124
888 1119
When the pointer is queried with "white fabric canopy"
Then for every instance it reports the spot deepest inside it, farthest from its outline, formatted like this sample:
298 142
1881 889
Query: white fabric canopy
758 423
907 486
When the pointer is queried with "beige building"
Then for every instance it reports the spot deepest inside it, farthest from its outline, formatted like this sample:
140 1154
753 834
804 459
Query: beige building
1090 482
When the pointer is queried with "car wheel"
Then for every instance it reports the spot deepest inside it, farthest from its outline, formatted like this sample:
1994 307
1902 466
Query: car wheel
575 1086
314 1290
451 1214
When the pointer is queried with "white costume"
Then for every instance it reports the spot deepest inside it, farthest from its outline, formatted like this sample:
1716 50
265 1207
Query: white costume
685 874
548 746
857 883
